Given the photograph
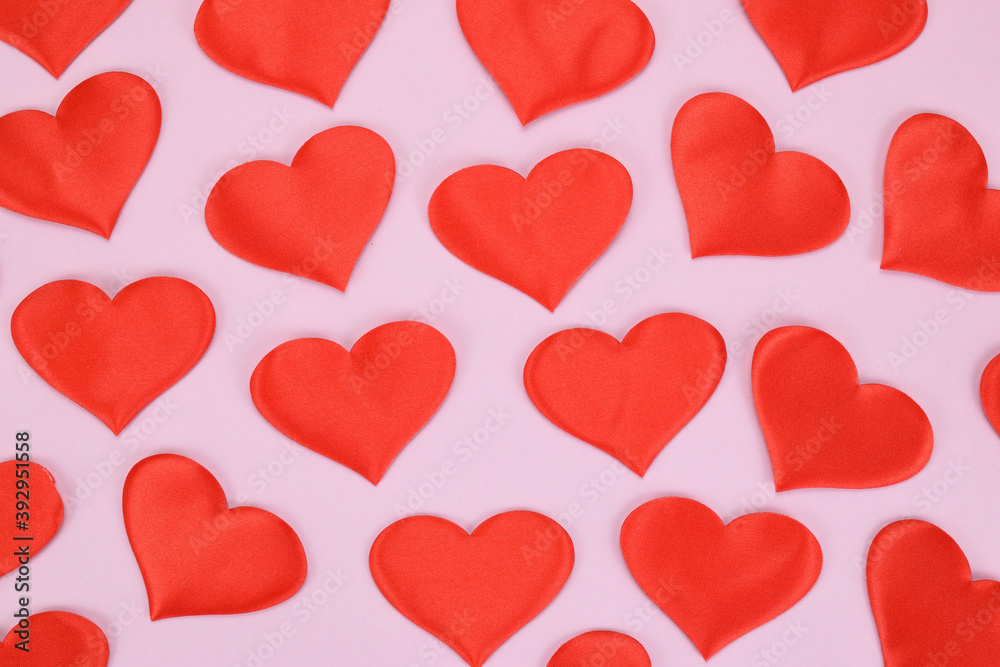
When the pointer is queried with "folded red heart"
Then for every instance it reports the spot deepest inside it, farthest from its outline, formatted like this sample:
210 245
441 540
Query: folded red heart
113 357
716 581
472 592
989 391
601 647
78 167
35 512
742 198
55 639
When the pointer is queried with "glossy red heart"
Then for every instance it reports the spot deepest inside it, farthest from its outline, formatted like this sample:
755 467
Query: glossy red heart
825 430
56 639
989 390
742 198
199 557
35 486
78 167
472 592
312 219
359 408
941 221
628 399
537 234
309 49
113 357
716 581
601 647
814 39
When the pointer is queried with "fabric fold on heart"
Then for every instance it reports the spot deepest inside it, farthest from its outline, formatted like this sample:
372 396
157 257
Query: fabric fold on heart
601 647
54 639
989 392
29 482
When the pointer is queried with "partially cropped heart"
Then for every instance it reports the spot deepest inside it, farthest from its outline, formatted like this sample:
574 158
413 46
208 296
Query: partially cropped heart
359 408
989 391
716 581
601 647
113 357
472 592
941 221
312 219
538 234
31 486
196 555
78 167
742 198
628 399
825 430
55 639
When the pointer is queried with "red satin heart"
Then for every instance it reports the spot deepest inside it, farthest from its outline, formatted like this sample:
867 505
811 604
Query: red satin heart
742 198
940 219
473 592
197 556
78 167
113 357
359 408
601 647
989 391
56 639
814 39
548 54
928 610
34 485
825 430
309 49
538 234
716 581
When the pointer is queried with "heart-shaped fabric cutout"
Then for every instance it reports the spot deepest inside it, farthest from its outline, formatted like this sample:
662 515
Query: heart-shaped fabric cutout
628 399
716 581
33 528
538 234
113 357
473 592
927 608
989 390
825 430
309 49
814 39
359 408
55 639
199 557
601 647
941 221
742 198
548 54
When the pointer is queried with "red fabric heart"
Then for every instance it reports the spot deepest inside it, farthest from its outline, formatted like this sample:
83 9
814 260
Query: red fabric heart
309 49
548 54
197 556
989 390
35 485
927 608
940 219
56 639
113 357
814 39
537 234
359 408
628 399
311 219
825 430
601 647
718 582
742 198
473 592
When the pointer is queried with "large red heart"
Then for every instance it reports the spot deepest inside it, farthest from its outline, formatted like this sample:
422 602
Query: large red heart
928 610
359 408
33 484
473 592
308 49
825 430
548 54
55 639
197 556
742 198
537 234
940 219
628 399
718 582
814 39
599 648
113 357
989 391
311 219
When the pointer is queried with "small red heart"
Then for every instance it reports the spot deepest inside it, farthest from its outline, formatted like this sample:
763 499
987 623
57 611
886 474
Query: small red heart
113 357
197 556
473 592
716 581
941 221
537 234
359 408
742 198
33 484
989 390
56 639
628 399
823 429
78 167
601 647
